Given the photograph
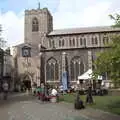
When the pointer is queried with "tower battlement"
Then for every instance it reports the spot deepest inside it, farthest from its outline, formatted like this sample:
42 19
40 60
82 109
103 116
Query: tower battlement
37 11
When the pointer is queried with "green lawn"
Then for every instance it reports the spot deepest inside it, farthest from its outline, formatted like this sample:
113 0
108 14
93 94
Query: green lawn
106 103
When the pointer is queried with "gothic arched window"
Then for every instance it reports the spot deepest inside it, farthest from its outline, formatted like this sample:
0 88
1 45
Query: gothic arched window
77 68
73 42
60 44
96 41
92 40
52 70
56 71
105 40
53 44
81 68
77 42
48 73
35 25
84 41
63 42
81 41
70 42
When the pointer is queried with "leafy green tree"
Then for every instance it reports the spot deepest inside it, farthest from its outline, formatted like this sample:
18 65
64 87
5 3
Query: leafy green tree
109 60
116 19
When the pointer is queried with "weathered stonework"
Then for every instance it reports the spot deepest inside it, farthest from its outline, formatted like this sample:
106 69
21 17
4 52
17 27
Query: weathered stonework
79 44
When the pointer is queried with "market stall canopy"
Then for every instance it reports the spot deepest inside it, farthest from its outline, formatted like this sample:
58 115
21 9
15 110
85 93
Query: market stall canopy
88 75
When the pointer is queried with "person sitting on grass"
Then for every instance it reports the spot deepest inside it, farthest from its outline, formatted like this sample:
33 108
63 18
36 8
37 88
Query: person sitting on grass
55 93
78 102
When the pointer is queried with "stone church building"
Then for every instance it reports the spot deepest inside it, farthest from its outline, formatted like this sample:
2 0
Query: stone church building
54 51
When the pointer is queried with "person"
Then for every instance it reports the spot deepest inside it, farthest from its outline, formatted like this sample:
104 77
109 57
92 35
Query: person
61 88
55 94
42 92
5 89
34 86
89 98
78 102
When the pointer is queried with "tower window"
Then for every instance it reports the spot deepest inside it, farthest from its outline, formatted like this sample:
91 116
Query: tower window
35 25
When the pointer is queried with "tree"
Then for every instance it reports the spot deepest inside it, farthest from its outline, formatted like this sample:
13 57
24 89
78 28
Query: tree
116 19
109 60
2 41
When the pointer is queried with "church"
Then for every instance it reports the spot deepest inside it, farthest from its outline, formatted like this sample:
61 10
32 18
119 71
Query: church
47 53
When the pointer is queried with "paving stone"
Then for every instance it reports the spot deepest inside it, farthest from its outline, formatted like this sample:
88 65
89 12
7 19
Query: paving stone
33 109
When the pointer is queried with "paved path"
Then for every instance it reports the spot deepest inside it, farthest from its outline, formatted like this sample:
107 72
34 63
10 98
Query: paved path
35 110
28 108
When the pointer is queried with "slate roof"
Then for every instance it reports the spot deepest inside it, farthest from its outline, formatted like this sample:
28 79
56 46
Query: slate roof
83 30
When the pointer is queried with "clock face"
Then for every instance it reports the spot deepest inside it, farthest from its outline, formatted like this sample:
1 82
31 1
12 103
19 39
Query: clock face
26 52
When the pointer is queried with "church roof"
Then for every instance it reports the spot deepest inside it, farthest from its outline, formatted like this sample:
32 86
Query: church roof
83 30
28 45
22 44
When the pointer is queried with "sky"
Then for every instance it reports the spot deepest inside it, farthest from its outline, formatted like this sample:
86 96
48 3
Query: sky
66 14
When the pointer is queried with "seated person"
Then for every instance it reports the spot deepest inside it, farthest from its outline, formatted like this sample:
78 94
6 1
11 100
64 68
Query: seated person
78 102
54 92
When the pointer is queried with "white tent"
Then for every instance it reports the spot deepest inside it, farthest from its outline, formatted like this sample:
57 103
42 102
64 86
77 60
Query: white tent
88 75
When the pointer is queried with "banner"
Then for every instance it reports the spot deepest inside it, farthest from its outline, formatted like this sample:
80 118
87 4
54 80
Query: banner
64 80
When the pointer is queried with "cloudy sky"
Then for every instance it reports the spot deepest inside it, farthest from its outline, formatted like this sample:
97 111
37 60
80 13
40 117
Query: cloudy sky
66 14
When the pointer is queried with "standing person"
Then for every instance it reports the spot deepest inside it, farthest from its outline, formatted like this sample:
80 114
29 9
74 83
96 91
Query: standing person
42 92
34 86
89 98
5 90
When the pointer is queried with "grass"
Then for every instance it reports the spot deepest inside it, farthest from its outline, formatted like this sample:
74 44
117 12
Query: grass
105 103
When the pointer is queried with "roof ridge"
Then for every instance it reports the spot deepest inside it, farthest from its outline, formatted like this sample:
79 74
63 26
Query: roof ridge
95 29
84 27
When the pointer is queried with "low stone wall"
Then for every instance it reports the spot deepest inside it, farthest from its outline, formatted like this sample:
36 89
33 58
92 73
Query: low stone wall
114 92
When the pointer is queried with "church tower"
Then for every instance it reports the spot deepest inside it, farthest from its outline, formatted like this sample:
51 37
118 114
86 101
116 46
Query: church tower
38 23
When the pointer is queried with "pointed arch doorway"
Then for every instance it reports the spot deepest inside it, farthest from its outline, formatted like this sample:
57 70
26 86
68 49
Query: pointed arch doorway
27 81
